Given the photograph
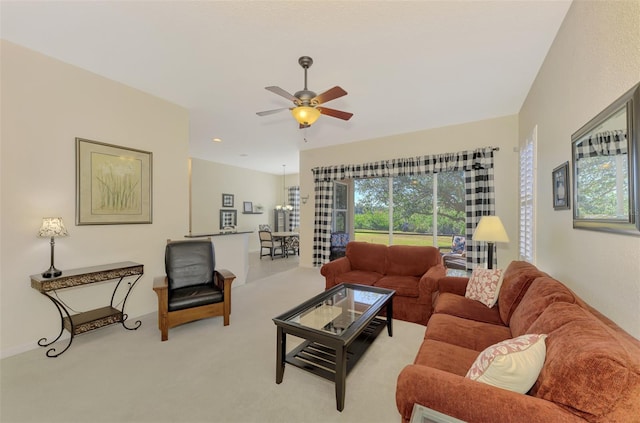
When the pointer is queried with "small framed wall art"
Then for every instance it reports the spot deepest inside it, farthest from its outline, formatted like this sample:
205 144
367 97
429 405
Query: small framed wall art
247 207
228 219
113 184
561 197
227 200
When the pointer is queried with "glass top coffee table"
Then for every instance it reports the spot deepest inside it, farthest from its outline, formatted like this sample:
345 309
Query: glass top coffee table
338 325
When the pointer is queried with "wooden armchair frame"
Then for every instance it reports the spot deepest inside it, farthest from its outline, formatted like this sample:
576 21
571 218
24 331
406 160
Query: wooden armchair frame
168 319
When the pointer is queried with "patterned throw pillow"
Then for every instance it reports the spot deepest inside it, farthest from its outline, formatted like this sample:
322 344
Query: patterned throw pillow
458 244
513 364
484 286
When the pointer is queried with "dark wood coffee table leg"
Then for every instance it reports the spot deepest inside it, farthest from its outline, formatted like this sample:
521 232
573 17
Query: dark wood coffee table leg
281 352
341 376
390 317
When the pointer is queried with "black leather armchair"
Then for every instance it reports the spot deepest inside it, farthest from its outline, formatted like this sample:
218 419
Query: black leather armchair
193 289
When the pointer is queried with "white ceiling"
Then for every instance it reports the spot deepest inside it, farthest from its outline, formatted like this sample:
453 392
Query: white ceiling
407 66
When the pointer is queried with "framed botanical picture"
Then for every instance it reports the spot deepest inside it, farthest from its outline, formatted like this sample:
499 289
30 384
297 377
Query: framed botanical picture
247 207
227 200
113 184
560 177
228 218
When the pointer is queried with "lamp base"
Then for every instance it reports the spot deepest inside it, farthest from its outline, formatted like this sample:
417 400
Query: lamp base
52 272
490 255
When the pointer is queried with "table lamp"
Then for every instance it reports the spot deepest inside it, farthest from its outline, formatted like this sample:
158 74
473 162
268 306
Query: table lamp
491 230
52 227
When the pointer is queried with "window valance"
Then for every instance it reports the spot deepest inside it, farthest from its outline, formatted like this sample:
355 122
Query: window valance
606 143
481 158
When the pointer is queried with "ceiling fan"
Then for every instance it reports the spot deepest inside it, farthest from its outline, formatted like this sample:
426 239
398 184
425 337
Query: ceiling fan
307 108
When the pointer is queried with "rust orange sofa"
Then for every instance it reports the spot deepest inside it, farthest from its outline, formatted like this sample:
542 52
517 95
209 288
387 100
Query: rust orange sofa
591 370
410 270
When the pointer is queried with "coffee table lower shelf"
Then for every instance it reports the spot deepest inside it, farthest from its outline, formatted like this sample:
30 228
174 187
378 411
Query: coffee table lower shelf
321 360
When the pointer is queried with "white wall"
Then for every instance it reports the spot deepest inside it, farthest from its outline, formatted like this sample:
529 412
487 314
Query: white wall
594 59
45 105
499 132
210 180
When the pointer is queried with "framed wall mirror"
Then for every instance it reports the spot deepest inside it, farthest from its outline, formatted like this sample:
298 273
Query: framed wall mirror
606 168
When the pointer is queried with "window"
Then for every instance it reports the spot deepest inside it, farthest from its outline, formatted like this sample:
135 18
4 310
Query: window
527 197
340 207
410 210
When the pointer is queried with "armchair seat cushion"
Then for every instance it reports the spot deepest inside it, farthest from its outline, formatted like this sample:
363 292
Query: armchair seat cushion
194 296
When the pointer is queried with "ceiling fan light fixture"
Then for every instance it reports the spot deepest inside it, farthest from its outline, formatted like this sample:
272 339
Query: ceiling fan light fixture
305 115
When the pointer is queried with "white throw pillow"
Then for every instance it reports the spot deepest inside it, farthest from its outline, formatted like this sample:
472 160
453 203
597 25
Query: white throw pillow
513 364
484 286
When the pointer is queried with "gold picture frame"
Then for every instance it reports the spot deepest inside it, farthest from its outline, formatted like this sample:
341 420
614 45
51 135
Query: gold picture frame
113 184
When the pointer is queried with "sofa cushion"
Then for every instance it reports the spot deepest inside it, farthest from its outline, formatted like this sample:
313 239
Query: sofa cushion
464 332
367 256
512 364
405 286
543 291
447 357
588 368
362 277
517 279
484 285
457 305
458 244
411 260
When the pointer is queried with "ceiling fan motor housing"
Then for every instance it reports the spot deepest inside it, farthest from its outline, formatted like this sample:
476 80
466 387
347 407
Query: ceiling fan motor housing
305 97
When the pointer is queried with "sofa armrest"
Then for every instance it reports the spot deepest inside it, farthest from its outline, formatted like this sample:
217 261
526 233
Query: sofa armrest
469 400
428 285
453 284
333 269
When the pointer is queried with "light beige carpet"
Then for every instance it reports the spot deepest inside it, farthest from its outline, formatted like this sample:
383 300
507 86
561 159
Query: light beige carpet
205 372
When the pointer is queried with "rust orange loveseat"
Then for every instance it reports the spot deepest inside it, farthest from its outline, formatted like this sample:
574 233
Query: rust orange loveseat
409 270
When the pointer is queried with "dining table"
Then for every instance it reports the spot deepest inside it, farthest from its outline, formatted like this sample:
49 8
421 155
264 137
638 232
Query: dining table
284 236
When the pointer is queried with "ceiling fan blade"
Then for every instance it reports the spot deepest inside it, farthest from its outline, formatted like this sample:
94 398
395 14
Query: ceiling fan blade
270 112
335 113
330 94
281 92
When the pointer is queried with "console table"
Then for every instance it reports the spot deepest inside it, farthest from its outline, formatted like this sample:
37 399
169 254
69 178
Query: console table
92 319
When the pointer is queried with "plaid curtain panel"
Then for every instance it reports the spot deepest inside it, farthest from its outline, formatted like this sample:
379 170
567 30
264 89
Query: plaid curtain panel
294 200
479 191
322 222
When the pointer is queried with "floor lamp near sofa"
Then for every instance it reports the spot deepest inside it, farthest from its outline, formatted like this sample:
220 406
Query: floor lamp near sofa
491 230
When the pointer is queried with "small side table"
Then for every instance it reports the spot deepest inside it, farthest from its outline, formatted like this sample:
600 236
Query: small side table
92 319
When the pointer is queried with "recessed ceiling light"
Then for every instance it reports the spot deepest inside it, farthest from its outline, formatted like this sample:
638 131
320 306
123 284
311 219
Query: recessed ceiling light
216 140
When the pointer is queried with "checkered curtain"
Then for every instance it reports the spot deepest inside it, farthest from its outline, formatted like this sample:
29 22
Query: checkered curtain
322 222
480 198
294 215
606 143
480 201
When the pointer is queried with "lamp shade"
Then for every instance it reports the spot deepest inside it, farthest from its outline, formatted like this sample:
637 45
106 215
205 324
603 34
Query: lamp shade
52 226
490 229
305 115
